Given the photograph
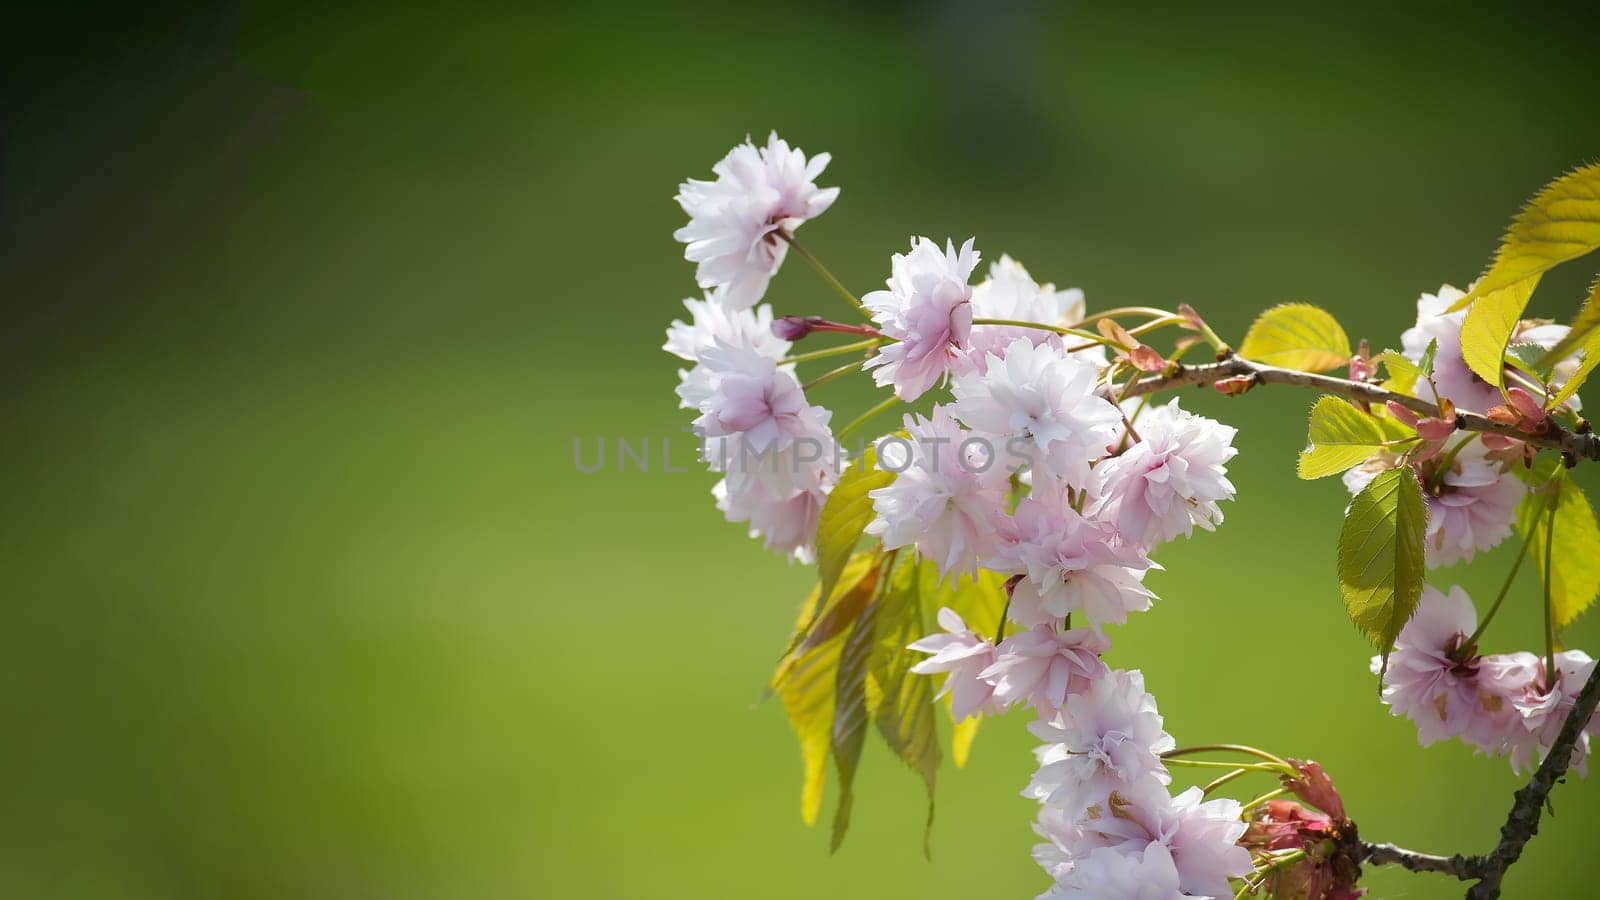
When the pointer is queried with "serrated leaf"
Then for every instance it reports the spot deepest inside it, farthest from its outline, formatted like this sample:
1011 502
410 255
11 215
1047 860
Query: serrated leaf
845 515
1586 366
1341 436
1297 336
1381 555
1403 373
1583 325
850 714
1574 576
904 708
807 678
1561 223
1425 362
1490 322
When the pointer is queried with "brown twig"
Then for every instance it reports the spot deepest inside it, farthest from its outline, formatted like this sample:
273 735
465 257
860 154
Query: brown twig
1580 445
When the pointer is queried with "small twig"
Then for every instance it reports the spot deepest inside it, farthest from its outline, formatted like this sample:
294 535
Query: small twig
1579 445
1466 868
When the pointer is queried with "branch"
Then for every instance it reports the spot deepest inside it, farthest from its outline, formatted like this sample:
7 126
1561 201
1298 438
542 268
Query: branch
1578 444
1522 823
1466 868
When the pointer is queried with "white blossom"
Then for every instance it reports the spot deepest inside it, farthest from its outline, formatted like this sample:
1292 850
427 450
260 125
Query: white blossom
1045 398
1106 739
928 311
1041 666
1107 874
785 523
734 220
1070 564
1168 481
947 493
1011 293
964 656
712 321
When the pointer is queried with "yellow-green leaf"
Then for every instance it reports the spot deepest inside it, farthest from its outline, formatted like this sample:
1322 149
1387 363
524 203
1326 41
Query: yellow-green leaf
1561 223
1574 573
903 703
1380 555
817 624
1403 373
961 738
845 516
850 710
1488 328
1586 365
1297 336
1340 436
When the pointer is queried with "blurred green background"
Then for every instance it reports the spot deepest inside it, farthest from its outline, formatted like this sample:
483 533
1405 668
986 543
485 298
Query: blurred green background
305 309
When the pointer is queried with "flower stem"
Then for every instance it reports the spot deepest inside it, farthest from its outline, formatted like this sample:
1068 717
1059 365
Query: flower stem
1549 616
864 417
822 270
1265 798
830 375
1221 780
1504 589
1127 311
1278 761
826 352
1058 329
1213 764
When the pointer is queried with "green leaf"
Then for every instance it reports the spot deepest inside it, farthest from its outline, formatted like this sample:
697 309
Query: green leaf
1297 336
1425 363
1341 436
1380 556
905 710
961 738
1583 325
1574 578
850 709
1488 329
1561 223
1403 373
807 677
1591 358
845 516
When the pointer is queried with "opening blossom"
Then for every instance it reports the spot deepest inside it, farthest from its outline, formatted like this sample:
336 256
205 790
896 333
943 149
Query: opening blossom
965 657
928 311
1046 401
945 495
1070 564
1168 481
734 220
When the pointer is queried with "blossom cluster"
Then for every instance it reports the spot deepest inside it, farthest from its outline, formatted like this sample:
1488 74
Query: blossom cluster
1504 704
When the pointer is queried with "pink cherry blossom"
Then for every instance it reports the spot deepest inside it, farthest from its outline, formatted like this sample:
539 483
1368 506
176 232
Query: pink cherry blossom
1107 739
1168 481
1107 874
964 656
928 311
734 220
1425 682
1042 666
1071 564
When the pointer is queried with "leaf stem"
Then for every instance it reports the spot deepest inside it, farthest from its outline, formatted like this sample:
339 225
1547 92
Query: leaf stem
835 283
825 352
862 419
1058 329
1499 599
830 375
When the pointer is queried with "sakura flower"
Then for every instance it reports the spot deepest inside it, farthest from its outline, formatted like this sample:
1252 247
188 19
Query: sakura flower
734 220
963 655
928 311
1107 739
1042 666
1046 398
1203 836
785 524
1170 480
1070 564
946 494
1455 378
1426 681
1544 712
1011 293
759 424
1107 874
712 321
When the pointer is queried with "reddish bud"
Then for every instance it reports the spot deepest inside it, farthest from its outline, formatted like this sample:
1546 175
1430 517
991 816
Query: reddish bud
1362 368
1316 788
1146 359
792 328
1400 412
1435 429
1236 385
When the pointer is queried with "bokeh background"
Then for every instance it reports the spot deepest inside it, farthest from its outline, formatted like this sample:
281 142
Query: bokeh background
305 309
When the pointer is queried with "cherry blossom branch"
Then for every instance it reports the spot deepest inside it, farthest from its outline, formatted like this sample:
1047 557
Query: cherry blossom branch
1465 868
1578 444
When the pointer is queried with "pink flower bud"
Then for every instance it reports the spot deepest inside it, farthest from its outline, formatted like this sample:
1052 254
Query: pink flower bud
792 328
1531 410
1400 412
1236 385
1435 429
